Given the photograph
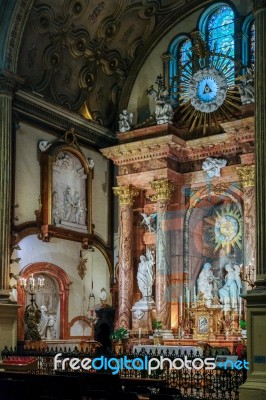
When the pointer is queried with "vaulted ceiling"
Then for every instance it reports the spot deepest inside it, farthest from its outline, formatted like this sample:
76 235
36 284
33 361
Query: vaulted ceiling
85 55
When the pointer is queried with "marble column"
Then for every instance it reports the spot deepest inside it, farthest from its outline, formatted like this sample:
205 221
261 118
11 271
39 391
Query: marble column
163 191
126 196
247 178
255 385
7 85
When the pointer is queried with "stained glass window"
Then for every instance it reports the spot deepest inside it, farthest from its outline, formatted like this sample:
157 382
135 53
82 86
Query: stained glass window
252 43
220 34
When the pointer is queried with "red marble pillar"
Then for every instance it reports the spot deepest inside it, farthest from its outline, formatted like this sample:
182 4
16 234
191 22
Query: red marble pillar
126 196
163 189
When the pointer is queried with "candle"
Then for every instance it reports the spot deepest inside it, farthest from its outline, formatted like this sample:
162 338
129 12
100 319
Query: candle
240 307
139 333
179 333
181 307
188 296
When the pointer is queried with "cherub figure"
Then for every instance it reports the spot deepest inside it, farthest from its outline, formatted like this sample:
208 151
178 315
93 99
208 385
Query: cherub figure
149 220
125 121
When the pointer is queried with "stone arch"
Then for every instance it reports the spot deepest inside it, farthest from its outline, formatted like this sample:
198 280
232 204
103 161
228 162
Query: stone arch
63 283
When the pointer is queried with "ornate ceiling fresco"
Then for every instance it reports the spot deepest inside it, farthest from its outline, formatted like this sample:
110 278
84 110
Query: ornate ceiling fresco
85 55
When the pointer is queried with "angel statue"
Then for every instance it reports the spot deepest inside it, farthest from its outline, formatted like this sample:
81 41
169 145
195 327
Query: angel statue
125 121
229 293
149 220
213 166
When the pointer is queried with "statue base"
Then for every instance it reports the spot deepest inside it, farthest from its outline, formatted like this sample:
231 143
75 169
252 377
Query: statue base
142 314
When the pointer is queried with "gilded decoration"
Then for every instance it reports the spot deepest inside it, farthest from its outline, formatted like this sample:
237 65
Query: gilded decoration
246 175
163 189
126 194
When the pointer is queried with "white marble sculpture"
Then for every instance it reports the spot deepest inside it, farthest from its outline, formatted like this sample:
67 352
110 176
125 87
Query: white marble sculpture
163 110
145 275
46 325
246 88
229 293
125 121
205 283
212 166
44 145
149 220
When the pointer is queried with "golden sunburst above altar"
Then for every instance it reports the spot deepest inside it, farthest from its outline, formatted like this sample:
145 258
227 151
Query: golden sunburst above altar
228 229
207 92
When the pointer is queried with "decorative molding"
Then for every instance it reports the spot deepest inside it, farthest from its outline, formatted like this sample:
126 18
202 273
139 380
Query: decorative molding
126 194
247 175
34 109
163 189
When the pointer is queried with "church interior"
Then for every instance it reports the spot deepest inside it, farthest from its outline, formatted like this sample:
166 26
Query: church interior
132 190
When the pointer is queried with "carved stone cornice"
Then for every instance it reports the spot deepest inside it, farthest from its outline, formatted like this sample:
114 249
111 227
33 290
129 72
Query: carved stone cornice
35 109
126 194
163 189
9 82
247 175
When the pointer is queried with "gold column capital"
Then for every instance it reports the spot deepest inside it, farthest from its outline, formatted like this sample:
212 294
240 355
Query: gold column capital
246 175
163 189
126 194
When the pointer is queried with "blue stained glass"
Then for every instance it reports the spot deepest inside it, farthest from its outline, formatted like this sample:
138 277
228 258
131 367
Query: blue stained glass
252 43
184 51
221 31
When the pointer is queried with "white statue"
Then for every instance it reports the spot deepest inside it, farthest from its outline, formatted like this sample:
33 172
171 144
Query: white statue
125 121
149 220
46 324
213 166
163 110
205 283
229 293
103 296
44 145
145 275
246 88
79 210
91 163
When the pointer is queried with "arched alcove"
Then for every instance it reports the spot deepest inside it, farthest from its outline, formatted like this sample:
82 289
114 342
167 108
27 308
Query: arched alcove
58 275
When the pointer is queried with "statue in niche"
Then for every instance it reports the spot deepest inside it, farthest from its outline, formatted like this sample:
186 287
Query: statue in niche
205 283
163 110
46 325
213 166
125 121
32 318
145 275
149 220
229 293
246 88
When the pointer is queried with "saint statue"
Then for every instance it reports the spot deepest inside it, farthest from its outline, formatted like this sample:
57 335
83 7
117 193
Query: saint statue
145 275
125 121
46 324
229 293
205 283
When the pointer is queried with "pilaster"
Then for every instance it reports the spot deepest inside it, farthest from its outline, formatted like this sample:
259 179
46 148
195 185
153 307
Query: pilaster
126 195
163 191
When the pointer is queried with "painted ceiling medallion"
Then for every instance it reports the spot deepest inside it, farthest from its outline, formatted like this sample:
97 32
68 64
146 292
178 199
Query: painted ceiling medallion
207 89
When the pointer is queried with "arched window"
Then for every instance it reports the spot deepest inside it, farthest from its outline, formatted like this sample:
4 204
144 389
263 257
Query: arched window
248 44
180 51
218 27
